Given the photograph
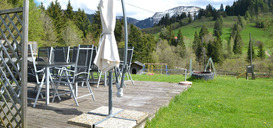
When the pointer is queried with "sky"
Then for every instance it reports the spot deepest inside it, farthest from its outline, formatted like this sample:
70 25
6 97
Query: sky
139 9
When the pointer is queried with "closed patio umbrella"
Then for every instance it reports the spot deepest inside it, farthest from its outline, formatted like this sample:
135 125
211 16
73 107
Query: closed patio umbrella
107 57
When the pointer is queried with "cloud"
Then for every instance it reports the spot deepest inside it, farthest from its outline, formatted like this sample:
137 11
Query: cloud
139 9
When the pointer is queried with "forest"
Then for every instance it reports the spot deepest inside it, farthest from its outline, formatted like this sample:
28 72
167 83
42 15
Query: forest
166 42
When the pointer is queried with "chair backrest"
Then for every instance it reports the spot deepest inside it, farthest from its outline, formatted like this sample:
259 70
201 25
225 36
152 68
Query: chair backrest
31 58
45 54
82 56
93 66
130 51
61 54
31 55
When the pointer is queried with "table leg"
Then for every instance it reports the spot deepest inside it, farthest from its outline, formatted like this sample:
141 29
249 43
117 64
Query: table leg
47 85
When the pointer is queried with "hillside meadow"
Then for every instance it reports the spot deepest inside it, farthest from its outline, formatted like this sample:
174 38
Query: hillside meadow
257 34
222 102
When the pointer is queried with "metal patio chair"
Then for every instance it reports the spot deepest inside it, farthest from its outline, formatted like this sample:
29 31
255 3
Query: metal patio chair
129 61
80 73
60 54
94 69
34 72
45 54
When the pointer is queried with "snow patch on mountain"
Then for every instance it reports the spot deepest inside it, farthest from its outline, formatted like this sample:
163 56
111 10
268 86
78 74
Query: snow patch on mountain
176 11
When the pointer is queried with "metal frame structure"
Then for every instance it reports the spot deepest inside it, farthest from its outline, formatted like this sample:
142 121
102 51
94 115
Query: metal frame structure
210 62
13 66
80 73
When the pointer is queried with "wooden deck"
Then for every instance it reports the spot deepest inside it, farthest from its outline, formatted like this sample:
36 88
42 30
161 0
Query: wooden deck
143 96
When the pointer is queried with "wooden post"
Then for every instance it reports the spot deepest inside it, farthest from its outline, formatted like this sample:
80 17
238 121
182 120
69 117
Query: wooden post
24 63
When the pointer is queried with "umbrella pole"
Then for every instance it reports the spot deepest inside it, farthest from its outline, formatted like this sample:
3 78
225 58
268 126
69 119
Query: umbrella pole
110 100
124 68
110 107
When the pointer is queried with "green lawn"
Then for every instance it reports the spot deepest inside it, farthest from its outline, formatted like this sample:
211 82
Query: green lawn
223 102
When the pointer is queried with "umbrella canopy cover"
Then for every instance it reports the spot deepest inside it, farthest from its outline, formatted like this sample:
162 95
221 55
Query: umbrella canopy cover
107 57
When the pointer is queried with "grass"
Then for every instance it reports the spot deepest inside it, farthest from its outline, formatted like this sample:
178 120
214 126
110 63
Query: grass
222 102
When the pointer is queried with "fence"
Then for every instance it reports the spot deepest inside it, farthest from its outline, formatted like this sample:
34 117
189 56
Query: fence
13 66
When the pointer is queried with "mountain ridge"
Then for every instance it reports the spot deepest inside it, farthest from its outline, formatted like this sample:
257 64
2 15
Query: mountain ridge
151 21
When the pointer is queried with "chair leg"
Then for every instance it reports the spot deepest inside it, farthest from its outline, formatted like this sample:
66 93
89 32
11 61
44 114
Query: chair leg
90 90
131 78
76 89
105 79
55 88
71 89
39 91
82 84
59 81
127 76
98 84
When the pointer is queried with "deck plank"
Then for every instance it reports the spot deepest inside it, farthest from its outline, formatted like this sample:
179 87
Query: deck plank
143 96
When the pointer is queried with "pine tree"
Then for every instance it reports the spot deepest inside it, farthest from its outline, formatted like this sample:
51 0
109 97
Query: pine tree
218 51
180 38
181 43
150 46
196 41
135 40
209 10
82 21
238 44
215 50
96 27
247 16
200 53
217 28
210 49
118 31
221 8
204 31
234 30
183 15
42 7
190 17
248 51
230 43
215 14
143 44
261 51
221 20
240 21
172 41
69 14
55 12
166 33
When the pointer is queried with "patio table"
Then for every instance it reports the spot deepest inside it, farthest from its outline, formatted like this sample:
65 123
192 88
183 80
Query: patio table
47 67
